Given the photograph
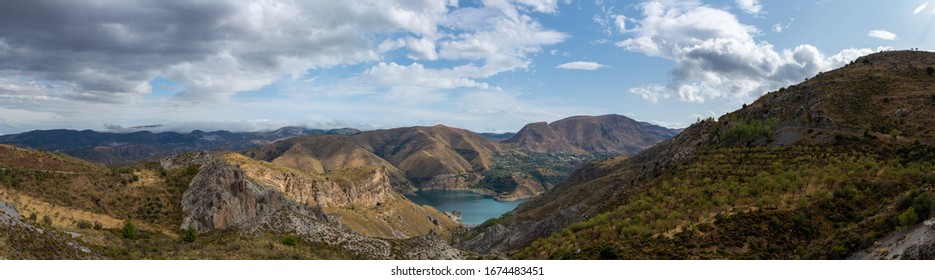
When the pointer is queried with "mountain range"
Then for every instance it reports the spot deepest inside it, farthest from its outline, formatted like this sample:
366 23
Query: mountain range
436 157
336 193
129 148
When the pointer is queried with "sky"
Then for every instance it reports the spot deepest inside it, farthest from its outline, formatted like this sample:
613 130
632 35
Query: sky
487 66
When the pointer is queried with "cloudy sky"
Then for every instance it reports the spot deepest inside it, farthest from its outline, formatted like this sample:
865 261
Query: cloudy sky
490 65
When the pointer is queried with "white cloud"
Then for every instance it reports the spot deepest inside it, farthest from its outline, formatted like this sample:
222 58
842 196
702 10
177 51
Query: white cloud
621 22
882 35
777 28
542 6
421 49
581 65
920 8
750 6
495 38
718 57
392 74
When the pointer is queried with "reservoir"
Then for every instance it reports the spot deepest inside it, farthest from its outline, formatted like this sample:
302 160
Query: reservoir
475 208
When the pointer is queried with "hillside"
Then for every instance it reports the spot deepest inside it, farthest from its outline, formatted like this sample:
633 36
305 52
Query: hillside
822 169
141 146
606 135
323 153
216 206
424 153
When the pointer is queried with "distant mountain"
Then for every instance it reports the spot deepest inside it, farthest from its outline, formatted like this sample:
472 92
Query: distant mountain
607 134
819 170
497 137
127 148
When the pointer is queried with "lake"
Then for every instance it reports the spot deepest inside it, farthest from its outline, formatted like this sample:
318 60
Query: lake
475 208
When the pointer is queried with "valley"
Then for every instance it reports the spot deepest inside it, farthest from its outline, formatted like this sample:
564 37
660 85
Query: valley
336 196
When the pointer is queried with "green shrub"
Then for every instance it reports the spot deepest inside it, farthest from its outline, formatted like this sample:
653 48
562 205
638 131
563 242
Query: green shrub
290 240
930 70
47 220
743 130
98 225
130 230
84 224
190 234
923 204
33 217
909 217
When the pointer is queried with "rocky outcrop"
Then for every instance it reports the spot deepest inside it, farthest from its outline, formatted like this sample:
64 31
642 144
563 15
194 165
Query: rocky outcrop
503 237
917 243
9 215
427 247
21 240
372 191
220 196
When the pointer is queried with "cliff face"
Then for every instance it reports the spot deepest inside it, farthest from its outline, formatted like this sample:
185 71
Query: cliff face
313 190
220 197
233 191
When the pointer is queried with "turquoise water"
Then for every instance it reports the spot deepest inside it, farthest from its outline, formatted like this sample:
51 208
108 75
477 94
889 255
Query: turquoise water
475 208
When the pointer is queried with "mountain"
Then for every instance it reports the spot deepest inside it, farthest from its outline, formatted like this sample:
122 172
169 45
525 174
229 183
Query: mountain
607 134
129 148
433 157
318 154
819 170
497 137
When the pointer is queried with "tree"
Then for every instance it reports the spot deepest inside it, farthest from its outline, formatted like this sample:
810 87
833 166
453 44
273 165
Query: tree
290 240
129 230
190 234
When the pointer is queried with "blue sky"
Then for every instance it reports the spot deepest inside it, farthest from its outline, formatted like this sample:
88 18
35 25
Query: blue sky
491 65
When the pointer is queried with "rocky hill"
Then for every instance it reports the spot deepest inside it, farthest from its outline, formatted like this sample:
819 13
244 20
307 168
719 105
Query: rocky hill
607 134
822 169
208 205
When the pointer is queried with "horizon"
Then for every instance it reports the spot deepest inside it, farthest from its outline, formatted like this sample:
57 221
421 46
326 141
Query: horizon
485 66
159 128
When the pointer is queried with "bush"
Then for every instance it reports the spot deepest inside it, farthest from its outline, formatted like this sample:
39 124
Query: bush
190 234
290 240
930 70
130 231
923 204
33 217
84 224
47 220
743 130
909 217
98 226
